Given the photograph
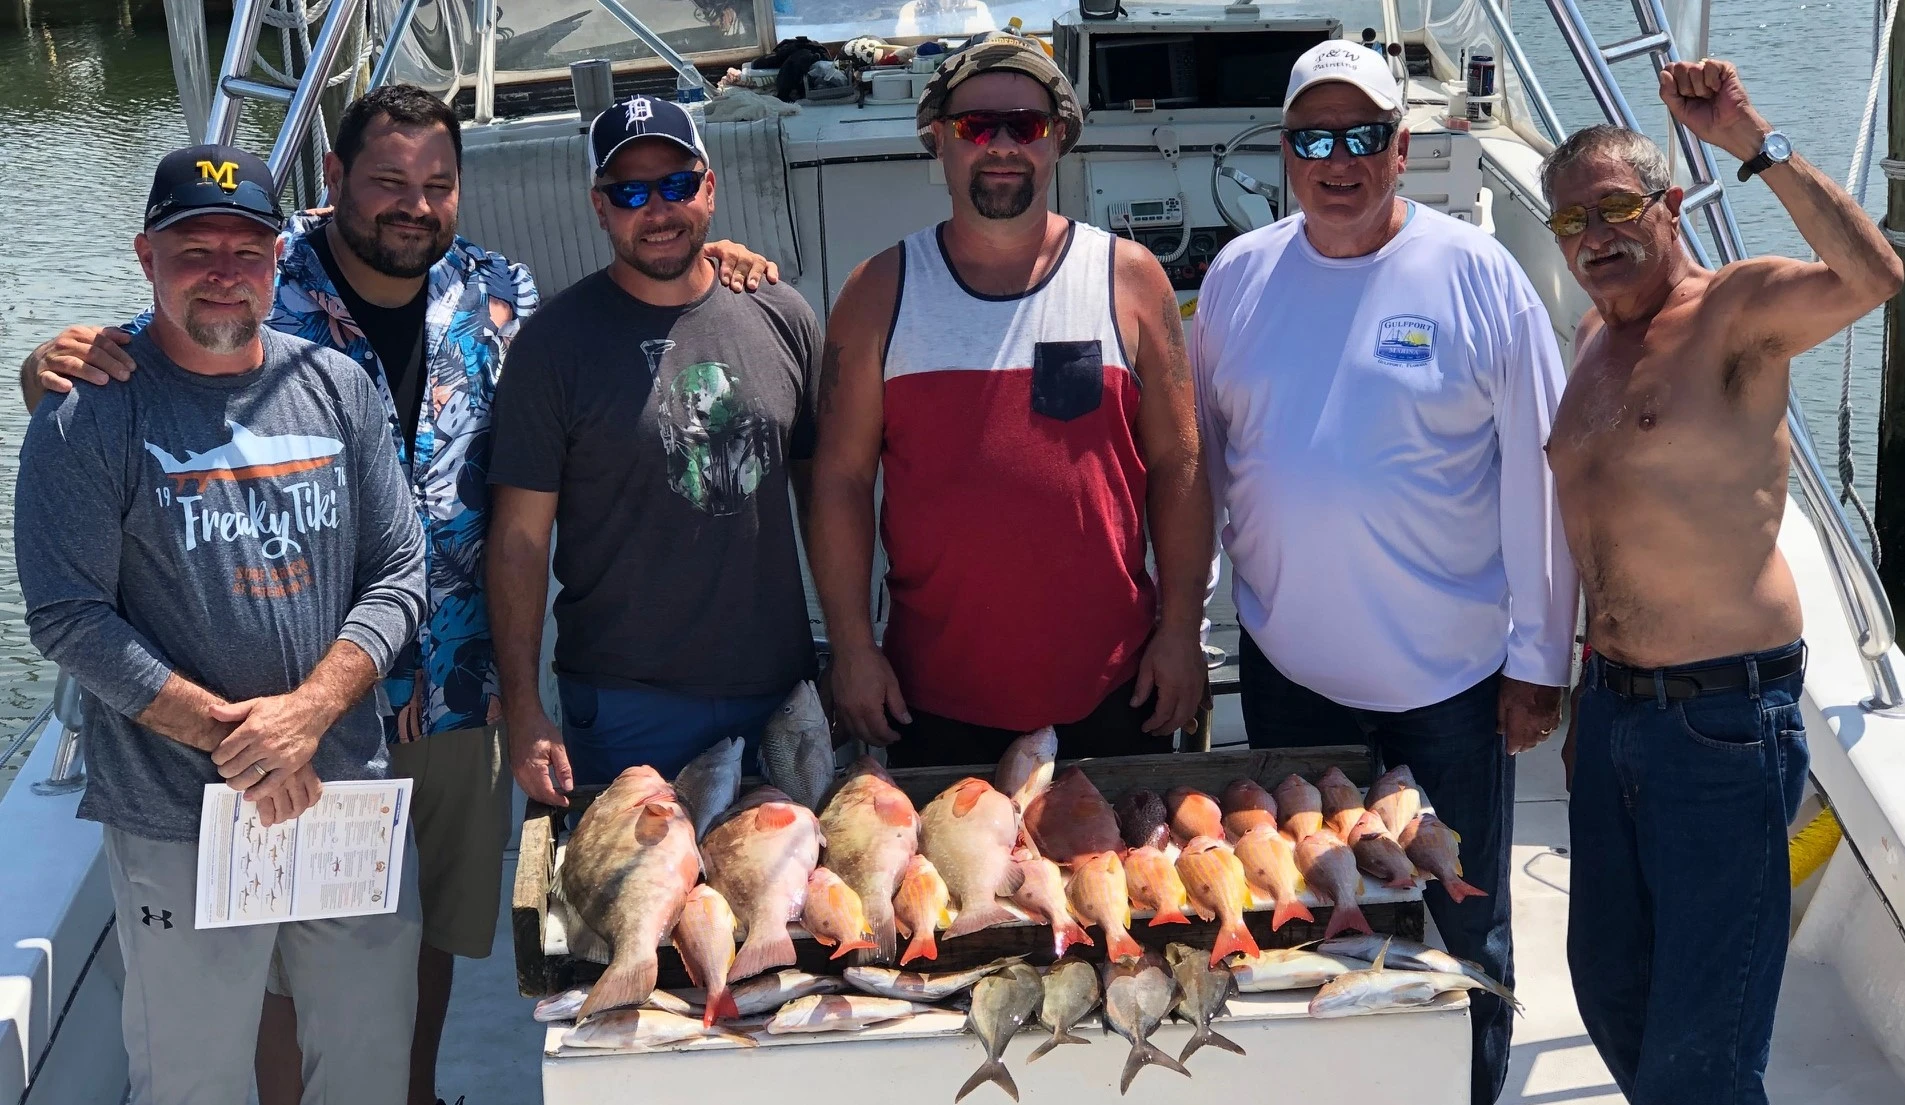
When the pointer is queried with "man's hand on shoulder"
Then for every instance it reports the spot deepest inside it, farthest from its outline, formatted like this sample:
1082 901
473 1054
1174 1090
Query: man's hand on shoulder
739 268
94 354
1710 99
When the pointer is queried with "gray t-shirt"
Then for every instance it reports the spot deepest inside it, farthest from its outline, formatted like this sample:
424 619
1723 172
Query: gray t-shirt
229 528
667 432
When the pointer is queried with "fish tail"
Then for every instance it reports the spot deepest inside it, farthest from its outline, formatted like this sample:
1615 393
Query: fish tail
853 945
1120 944
922 946
1291 910
1347 915
981 915
1458 890
989 1071
1204 1036
628 981
1169 915
1233 937
882 924
767 946
1067 933
721 1007
1145 1053
1058 1037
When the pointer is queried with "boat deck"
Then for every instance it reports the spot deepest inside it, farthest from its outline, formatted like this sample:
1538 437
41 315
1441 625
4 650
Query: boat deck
492 1049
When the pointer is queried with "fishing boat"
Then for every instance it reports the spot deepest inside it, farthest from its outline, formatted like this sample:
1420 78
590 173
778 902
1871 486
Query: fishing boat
1180 152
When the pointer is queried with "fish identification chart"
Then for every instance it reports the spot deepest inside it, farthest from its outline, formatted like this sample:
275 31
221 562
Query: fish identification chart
341 858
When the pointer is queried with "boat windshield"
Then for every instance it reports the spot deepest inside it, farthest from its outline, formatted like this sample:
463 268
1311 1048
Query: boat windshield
538 39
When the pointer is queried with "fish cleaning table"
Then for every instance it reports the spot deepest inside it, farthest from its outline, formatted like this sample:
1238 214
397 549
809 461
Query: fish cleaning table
1419 1055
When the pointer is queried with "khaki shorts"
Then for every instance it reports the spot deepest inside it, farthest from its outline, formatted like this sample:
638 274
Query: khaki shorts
459 817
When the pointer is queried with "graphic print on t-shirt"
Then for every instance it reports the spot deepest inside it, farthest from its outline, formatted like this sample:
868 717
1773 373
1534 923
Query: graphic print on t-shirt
716 441
272 516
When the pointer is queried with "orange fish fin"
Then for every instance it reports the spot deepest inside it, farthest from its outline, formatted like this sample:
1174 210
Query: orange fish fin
970 792
922 946
774 815
1121 945
853 945
894 810
978 916
1169 915
720 1009
768 946
1291 910
651 826
1458 890
1232 938
1066 934
628 981
1346 916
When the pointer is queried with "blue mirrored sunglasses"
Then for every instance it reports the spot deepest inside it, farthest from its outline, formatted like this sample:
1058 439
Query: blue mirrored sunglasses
632 194
1362 140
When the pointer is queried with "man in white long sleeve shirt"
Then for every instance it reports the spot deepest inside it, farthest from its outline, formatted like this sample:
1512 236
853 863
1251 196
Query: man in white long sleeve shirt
1376 383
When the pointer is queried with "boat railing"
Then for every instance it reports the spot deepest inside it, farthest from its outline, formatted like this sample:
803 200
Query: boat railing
1853 574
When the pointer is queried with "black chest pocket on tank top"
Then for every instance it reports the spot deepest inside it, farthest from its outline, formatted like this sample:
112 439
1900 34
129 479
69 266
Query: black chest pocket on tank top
1068 378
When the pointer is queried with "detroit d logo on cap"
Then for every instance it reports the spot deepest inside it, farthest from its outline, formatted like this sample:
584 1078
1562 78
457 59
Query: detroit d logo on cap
640 111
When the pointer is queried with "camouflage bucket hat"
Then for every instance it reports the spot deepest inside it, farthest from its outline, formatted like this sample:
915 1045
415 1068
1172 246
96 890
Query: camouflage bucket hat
1009 54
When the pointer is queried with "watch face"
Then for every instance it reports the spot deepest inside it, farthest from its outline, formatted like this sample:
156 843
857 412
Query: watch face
1776 147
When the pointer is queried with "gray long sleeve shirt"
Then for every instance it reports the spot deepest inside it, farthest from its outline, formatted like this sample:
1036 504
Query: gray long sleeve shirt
228 528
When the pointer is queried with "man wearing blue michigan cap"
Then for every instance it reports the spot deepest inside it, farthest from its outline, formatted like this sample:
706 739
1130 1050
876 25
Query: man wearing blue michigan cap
223 553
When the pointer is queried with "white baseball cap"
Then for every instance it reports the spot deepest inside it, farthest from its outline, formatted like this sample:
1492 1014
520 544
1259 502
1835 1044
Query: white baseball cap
1350 63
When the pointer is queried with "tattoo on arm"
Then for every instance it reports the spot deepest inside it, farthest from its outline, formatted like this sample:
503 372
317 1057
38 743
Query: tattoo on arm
1172 322
829 377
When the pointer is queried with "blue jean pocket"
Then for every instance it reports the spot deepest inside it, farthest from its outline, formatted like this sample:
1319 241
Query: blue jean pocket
1726 723
1068 378
579 704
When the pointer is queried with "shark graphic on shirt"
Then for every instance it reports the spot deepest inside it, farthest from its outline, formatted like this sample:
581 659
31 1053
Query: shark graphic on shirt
248 456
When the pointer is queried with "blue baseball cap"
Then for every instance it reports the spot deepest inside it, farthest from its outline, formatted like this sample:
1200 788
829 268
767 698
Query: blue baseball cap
636 118
212 180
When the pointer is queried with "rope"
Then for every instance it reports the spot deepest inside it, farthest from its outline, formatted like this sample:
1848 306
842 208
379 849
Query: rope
1812 846
1856 178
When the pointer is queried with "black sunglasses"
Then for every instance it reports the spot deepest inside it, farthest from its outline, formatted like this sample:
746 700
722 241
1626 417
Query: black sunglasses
205 194
1362 140
1615 207
630 195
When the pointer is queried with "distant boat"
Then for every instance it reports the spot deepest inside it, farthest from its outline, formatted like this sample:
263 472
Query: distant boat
248 457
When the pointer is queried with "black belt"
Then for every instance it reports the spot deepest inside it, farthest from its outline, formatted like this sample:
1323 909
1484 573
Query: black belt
1726 675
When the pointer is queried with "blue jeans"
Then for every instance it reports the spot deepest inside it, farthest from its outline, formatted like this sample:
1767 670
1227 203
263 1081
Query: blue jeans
608 730
1680 901
1465 770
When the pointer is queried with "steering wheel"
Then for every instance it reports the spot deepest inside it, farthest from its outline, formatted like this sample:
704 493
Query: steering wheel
1219 170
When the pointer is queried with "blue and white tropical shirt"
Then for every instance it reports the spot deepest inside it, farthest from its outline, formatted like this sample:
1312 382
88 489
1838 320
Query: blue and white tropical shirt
477 301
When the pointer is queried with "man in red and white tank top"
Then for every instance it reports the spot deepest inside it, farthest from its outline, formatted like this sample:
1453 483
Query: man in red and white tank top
1020 381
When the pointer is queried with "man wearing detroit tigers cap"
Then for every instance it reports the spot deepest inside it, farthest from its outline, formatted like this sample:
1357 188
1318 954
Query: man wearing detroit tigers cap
1375 383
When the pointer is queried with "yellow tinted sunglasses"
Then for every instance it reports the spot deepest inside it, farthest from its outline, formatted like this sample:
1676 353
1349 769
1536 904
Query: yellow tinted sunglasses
1615 207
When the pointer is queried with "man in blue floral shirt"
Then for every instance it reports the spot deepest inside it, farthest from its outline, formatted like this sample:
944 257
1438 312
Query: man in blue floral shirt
386 280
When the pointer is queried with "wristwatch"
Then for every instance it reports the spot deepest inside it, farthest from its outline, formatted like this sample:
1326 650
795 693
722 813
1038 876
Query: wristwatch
1774 149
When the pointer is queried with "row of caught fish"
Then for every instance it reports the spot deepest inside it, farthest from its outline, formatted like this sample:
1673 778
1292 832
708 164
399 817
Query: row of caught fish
1365 974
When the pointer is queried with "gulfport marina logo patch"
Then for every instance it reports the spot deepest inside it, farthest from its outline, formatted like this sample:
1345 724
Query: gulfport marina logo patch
1405 339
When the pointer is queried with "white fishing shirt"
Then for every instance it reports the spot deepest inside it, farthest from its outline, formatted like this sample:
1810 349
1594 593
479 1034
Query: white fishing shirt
1375 428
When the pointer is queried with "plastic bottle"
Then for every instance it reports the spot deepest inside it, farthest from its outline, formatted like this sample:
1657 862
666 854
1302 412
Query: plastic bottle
1016 26
693 98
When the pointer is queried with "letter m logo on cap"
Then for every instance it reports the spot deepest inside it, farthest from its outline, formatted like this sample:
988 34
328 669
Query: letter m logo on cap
222 173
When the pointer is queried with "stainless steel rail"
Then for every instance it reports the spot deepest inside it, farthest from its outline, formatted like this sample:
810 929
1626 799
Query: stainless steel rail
1853 574
303 108
69 760
1537 96
26 733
